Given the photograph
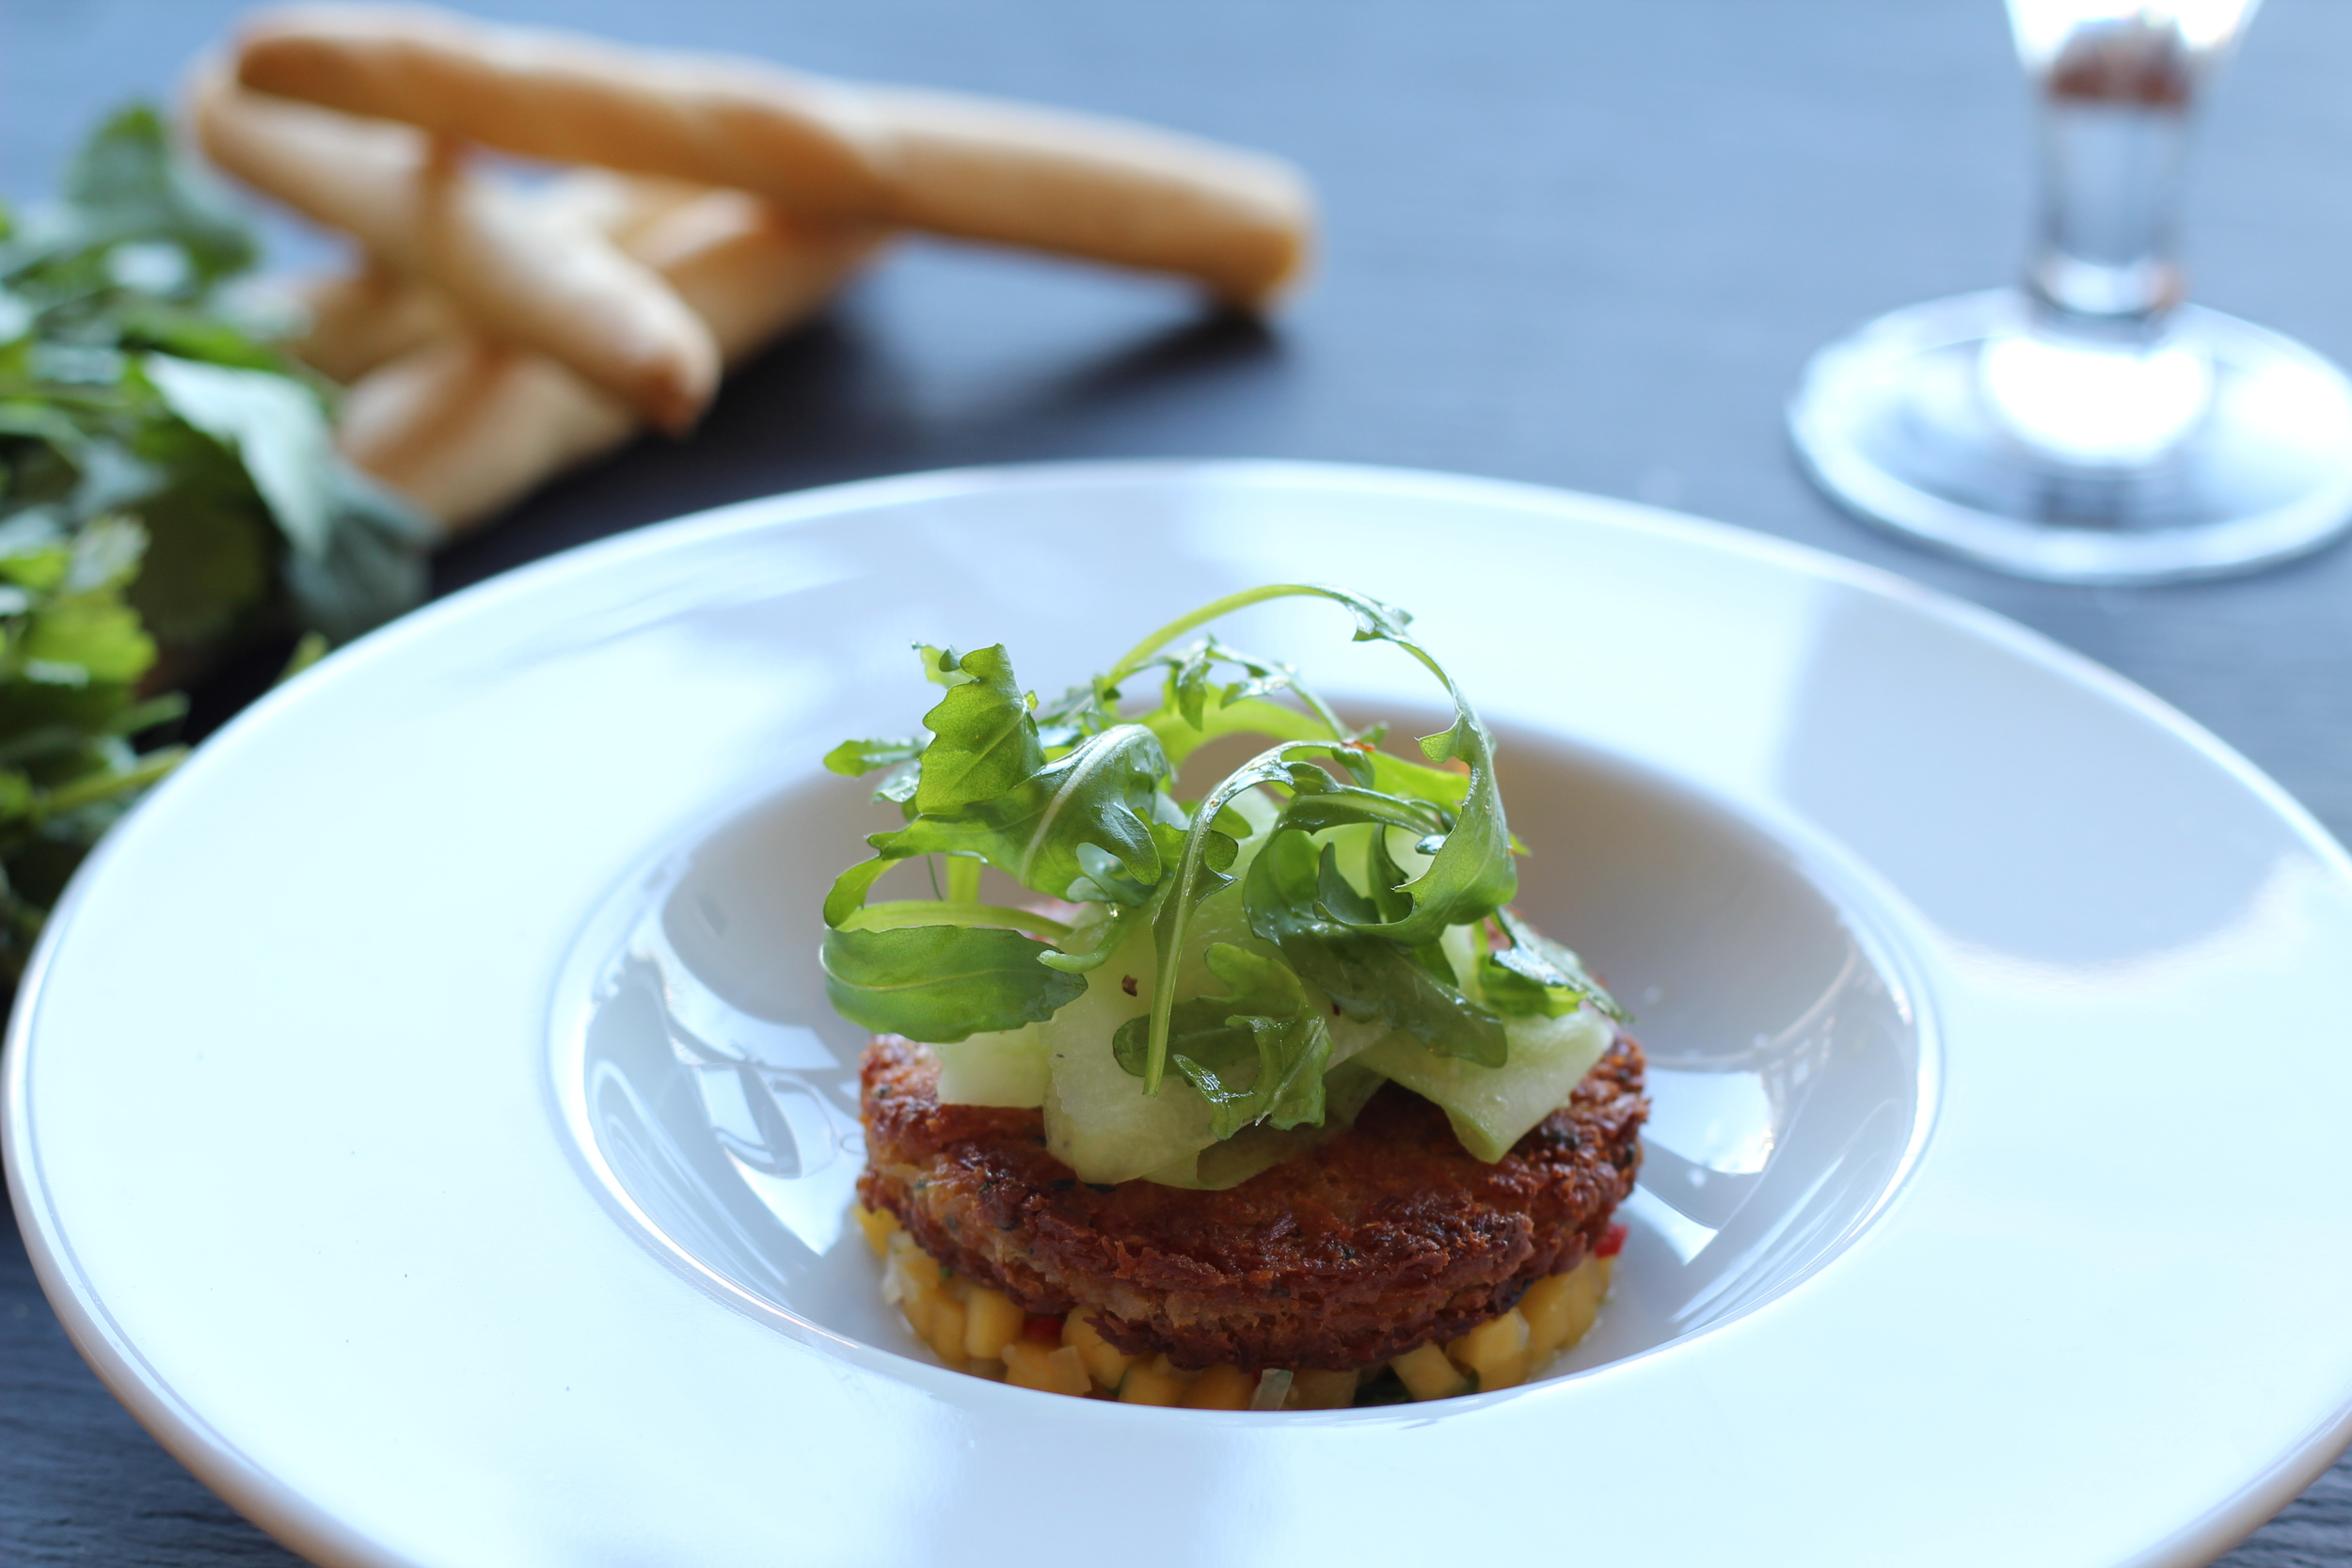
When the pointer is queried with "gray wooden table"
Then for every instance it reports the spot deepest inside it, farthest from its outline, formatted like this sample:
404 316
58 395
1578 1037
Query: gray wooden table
1586 244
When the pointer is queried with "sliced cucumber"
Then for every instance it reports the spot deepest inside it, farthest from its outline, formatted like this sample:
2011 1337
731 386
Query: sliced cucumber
1007 1068
1098 1121
1230 1164
1102 1125
1238 1158
1492 1107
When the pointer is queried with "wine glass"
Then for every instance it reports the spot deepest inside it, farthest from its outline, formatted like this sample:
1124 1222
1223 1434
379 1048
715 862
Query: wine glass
2089 426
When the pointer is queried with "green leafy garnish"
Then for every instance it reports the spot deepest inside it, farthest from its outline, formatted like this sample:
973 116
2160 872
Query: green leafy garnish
130 385
169 489
1256 1055
1373 888
1467 879
71 653
942 983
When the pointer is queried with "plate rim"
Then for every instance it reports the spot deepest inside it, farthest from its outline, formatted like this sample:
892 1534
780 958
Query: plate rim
291 1516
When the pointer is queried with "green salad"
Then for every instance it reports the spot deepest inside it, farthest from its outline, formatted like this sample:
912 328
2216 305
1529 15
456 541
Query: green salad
1212 984
169 496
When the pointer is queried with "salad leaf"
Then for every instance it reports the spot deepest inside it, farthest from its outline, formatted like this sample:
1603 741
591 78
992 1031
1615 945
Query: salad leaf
273 425
124 188
1085 818
1377 886
1536 977
129 384
373 567
942 983
1333 943
1469 874
1081 824
167 491
71 653
983 742
856 757
1256 1055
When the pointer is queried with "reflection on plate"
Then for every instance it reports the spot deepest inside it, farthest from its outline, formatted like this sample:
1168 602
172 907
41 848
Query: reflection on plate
712 1094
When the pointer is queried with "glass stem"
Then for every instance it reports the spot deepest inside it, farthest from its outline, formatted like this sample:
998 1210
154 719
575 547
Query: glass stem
2116 100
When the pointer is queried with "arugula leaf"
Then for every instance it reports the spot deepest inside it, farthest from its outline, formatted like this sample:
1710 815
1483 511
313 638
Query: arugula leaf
1201 871
1079 712
1289 896
942 983
897 912
856 757
1080 826
1536 977
1073 799
1469 876
1101 939
1256 1055
983 742
1180 738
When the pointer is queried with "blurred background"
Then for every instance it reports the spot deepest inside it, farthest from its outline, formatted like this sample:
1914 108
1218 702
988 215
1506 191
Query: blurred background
1584 244
1577 243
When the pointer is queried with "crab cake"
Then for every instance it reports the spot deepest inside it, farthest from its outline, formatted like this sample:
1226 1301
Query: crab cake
1384 1236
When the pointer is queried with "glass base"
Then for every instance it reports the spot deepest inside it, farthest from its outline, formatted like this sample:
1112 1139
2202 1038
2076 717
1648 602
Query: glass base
2223 449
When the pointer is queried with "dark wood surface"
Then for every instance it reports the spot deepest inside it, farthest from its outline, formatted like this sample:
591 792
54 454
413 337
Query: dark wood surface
1586 244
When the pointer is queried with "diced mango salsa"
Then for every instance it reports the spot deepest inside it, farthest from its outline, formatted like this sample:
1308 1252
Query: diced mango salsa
946 1329
1495 1352
1560 1309
1225 1387
1105 1361
991 1321
880 1225
1428 1374
1051 1369
1153 1382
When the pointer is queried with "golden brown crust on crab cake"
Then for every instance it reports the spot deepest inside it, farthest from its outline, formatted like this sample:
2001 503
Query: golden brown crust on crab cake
1385 1236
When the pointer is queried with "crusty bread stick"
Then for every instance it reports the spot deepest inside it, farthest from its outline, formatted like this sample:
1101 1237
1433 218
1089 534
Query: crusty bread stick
748 270
1104 189
465 429
523 274
359 320
618 206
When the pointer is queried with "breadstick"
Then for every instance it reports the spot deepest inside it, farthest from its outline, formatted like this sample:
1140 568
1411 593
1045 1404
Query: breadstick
1104 189
620 207
465 429
748 270
358 321
523 274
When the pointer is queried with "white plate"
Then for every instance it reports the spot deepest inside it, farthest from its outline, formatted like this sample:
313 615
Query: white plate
420 1118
